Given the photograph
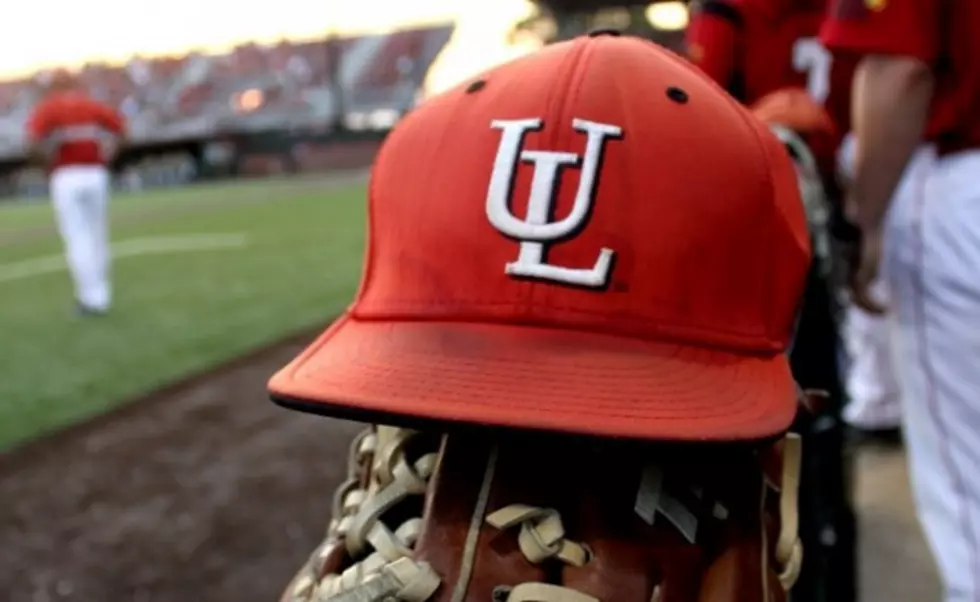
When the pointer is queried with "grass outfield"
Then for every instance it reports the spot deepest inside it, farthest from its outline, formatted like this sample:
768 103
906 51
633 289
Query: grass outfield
201 275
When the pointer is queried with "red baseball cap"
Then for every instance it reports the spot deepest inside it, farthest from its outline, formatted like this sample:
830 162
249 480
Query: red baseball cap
592 239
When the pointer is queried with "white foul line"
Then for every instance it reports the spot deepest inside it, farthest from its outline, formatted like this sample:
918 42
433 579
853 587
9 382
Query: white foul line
150 245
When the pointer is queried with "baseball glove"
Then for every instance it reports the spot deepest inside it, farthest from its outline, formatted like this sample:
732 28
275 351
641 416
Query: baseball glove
499 516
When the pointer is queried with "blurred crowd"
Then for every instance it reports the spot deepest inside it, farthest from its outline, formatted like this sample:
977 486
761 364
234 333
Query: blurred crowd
252 87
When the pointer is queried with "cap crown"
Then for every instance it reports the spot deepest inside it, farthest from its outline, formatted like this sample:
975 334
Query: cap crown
600 184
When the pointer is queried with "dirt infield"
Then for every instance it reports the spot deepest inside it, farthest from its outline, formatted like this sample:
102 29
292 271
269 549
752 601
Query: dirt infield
208 492
205 491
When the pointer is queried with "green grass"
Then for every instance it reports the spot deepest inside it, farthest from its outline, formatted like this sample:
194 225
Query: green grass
174 313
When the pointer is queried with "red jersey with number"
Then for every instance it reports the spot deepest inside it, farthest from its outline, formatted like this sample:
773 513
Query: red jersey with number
755 47
74 129
942 34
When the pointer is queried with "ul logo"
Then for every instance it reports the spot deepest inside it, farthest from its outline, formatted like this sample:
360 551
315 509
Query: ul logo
536 230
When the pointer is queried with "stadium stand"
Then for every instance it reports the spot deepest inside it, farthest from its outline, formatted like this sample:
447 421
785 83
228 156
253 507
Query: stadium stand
252 88
388 76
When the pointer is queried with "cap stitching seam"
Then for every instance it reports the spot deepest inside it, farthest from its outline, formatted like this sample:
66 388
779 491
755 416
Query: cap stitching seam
747 119
368 268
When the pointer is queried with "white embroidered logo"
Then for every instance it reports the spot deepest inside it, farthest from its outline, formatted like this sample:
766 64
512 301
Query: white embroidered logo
535 230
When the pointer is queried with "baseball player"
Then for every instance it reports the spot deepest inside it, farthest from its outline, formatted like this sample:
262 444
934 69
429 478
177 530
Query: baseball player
75 137
915 113
752 48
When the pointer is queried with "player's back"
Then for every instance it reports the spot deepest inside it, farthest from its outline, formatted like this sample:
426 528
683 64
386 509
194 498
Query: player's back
780 48
756 47
72 128
955 118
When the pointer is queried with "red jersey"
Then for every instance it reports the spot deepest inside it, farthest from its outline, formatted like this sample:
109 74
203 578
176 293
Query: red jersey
74 129
755 47
942 34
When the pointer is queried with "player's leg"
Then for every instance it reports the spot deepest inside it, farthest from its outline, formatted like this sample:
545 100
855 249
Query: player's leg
67 191
873 399
932 262
97 215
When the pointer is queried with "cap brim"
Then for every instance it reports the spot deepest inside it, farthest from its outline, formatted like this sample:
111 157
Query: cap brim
539 378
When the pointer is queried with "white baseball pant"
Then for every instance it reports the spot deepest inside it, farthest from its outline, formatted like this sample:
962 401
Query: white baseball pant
931 263
80 195
872 389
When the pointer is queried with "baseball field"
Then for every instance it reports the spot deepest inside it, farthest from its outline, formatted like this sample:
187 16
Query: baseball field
139 456
201 276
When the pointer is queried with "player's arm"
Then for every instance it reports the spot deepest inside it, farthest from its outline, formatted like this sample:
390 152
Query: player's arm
888 131
900 41
712 40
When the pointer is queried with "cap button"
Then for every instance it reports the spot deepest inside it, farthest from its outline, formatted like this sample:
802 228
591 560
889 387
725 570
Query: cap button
604 31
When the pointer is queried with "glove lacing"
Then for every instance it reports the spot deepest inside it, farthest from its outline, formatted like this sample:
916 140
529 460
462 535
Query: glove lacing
541 537
789 549
356 521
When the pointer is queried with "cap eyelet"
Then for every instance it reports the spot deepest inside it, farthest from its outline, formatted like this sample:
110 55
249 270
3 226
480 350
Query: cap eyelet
677 95
476 86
